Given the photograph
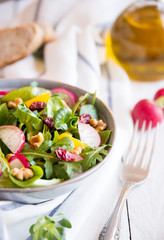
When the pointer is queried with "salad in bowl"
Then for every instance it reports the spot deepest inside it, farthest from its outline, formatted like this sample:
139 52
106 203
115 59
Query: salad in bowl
48 136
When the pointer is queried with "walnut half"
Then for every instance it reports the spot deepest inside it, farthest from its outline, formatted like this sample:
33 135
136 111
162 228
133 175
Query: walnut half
36 140
77 150
15 103
98 125
22 173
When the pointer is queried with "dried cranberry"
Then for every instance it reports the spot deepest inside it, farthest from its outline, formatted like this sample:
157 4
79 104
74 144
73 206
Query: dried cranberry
49 122
39 106
85 118
64 155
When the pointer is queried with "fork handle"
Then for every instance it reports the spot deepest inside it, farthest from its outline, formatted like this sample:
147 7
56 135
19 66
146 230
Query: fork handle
108 230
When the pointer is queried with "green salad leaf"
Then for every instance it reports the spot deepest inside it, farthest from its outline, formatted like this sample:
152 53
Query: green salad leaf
6 117
105 136
72 124
26 116
45 182
53 104
92 155
89 109
50 228
25 93
48 168
3 111
65 143
38 173
37 154
7 183
6 169
83 99
94 99
65 170
61 117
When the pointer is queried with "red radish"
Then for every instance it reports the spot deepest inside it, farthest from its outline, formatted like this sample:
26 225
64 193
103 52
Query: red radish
159 98
3 93
159 93
18 161
13 137
70 100
147 110
77 157
89 135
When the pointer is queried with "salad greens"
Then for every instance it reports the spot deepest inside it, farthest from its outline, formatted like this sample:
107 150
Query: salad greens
50 228
58 152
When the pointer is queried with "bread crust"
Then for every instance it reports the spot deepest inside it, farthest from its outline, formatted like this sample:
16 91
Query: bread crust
19 42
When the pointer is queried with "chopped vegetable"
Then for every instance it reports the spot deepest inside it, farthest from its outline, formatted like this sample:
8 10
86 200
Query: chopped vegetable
48 139
44 97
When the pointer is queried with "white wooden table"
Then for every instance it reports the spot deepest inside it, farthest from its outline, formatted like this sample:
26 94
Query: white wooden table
142 217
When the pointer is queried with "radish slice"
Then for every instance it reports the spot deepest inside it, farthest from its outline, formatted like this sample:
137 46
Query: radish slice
77 157
89 135
13 137
19 161
1 169
70 100
3 93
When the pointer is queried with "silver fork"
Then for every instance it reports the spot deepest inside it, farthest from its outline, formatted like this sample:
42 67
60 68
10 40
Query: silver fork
135 169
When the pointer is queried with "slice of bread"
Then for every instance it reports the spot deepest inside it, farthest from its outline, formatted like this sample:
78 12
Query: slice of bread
19 42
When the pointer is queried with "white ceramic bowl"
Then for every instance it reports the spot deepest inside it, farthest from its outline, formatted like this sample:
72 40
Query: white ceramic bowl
41 194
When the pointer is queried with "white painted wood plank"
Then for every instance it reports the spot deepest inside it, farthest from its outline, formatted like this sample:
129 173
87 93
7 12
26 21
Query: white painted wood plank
146 202
124 231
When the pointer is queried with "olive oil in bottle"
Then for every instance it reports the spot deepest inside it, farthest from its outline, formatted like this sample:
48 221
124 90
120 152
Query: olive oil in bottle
137 38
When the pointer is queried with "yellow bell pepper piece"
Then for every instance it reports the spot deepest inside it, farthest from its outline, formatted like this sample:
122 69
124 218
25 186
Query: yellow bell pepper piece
77 142
44 97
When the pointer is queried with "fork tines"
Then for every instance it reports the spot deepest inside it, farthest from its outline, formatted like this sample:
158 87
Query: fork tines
141 146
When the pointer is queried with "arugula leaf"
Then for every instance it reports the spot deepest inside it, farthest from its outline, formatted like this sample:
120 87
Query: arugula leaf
53 104
45 228
45 146
92 155
60 172
105 136
35 154
25 93
61 118
65 143
26 116
38 173
48 169
65 170
83 99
